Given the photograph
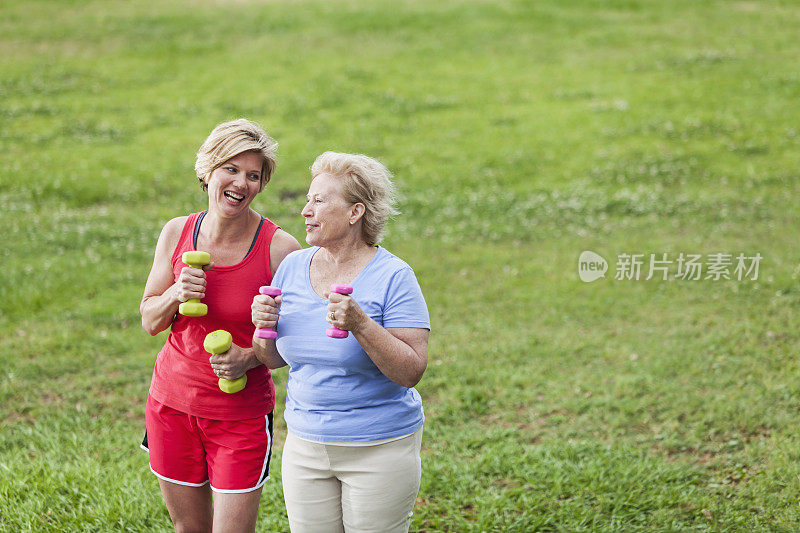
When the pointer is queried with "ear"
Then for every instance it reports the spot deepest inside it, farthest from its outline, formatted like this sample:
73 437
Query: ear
356 212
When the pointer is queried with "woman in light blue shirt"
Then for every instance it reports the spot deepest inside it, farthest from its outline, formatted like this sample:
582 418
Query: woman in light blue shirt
351 460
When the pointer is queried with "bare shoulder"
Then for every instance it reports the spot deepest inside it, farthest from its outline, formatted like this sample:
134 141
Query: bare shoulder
170 235
176 224
161 275
171 231
282 245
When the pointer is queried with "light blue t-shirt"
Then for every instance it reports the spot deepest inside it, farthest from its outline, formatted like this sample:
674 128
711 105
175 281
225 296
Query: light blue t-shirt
335 393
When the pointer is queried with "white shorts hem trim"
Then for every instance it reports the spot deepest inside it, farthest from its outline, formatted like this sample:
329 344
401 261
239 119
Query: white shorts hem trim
185 483
240 491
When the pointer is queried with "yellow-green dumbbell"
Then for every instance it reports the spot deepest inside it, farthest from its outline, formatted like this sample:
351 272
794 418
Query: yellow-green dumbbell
218 342
193 306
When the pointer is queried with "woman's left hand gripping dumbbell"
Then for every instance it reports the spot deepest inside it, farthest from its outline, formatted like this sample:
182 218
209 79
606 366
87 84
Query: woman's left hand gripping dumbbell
229 361
265 308
344 314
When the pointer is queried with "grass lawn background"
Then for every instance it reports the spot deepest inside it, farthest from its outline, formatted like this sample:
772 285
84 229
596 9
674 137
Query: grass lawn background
520 133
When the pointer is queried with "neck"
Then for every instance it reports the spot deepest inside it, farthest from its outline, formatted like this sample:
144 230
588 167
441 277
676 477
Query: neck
346 252
218 228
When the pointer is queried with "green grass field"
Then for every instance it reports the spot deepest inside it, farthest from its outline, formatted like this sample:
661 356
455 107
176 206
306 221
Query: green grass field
520 133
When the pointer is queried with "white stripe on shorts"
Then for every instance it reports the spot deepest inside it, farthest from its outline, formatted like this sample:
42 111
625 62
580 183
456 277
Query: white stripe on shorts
261 477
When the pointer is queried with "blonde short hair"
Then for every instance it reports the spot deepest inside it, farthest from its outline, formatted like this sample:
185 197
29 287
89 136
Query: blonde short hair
366 181
230 139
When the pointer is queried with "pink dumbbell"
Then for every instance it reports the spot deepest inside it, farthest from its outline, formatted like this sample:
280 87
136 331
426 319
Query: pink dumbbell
267 333
335 332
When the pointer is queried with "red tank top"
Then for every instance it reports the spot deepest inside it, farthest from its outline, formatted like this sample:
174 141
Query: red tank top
183 378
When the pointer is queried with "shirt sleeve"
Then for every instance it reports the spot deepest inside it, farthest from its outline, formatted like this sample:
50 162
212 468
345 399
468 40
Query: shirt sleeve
405 306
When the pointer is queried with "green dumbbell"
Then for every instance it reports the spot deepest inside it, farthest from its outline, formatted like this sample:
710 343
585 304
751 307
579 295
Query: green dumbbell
218 342
193 306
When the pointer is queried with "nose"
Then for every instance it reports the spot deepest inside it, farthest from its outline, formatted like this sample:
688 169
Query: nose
306 211
240 180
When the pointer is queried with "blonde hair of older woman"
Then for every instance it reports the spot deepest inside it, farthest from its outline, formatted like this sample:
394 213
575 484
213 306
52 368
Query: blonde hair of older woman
230 139
366 181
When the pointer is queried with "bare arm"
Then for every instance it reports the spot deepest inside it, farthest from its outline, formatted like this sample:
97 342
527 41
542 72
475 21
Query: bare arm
265 308
162 295
400 353
265 315
267 353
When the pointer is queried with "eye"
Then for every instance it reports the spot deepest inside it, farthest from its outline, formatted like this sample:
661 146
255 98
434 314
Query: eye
254 177
232 170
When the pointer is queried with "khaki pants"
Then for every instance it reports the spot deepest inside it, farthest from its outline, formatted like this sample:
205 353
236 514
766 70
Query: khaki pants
333 488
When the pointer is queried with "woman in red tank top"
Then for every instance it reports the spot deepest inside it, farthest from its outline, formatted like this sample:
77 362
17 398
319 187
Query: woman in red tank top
210 449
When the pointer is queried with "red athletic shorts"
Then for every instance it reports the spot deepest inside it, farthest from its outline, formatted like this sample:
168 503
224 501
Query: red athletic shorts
184 449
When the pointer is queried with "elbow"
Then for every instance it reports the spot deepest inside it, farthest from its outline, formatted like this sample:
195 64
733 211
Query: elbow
151 328
147 323
414 374
412 378
409 382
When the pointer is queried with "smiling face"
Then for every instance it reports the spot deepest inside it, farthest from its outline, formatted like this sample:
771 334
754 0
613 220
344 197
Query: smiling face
234 184
328 215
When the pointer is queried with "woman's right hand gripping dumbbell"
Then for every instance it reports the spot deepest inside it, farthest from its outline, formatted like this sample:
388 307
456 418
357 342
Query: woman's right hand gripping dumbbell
191 285
265 308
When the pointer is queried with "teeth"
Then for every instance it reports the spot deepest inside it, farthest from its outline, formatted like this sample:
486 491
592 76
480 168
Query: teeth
234 196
